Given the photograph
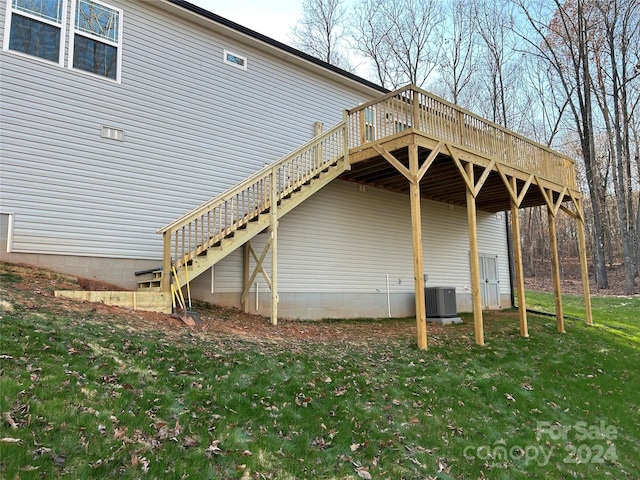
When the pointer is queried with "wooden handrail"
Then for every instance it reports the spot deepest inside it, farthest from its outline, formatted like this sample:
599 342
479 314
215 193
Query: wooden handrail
412 107
208 224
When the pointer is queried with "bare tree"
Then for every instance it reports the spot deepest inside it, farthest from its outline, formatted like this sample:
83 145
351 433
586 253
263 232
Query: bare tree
494 24
564 43
321 31
459 50
619 30
401 38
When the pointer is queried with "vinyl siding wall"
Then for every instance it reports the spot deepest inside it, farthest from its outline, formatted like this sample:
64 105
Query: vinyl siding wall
193 126
343 242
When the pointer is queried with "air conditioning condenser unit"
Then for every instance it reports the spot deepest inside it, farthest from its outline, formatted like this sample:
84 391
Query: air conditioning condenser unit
440 302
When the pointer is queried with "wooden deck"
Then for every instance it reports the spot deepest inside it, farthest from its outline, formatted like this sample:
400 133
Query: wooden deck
407 141
412 142
382 131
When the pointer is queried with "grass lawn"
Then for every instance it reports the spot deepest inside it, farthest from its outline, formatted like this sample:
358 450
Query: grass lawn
84 395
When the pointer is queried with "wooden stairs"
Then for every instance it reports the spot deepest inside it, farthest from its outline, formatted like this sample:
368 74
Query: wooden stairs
238 236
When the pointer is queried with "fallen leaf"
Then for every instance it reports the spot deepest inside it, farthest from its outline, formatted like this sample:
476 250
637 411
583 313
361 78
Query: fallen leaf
213 449
364 474
355 446
10 440
29 468
190 442
339 391
7 417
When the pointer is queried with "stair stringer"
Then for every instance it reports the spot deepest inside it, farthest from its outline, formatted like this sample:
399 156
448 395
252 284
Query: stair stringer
239 237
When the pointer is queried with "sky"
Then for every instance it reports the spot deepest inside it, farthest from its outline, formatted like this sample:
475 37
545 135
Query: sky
271 18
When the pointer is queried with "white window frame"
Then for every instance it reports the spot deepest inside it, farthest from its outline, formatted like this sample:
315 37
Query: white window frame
225 57
62 25
118 45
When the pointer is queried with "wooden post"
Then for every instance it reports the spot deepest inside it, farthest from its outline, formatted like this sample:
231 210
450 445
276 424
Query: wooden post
555 268
317 130
418 269
245 276
165 283
274 248
415 98
474 259
585 272
517 254
345 138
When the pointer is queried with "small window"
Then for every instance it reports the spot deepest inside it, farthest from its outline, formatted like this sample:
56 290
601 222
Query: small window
36 28
235 60
96 42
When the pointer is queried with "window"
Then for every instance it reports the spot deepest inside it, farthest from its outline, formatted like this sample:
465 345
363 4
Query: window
235 60
36 28
96 39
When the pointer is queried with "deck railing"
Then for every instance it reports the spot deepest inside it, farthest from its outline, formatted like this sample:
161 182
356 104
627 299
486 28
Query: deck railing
203 227
394 113
411 107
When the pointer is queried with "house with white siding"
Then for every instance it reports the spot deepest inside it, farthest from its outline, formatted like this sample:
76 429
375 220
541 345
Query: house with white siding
154 136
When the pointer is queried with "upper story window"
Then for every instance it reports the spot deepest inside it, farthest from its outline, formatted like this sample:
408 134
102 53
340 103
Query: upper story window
38 28
96 39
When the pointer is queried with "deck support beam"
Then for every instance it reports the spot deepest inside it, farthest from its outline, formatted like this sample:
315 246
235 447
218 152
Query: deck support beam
474 260
244 299
165 281
555 268
553 207
582 250
517 252
274 248
418 266
578 215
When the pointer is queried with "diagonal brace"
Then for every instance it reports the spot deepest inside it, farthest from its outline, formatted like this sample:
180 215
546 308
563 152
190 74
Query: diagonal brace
258 269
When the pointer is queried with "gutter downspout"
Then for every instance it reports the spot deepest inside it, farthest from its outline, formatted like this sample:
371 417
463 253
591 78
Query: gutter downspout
512 269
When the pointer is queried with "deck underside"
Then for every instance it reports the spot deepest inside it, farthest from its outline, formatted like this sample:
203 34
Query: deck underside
443 181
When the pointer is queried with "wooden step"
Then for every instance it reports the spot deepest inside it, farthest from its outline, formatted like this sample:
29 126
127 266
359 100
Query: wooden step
147 301
149 284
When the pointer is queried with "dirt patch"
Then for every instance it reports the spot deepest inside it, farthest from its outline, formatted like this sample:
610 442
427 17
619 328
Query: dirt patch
91 284
32 288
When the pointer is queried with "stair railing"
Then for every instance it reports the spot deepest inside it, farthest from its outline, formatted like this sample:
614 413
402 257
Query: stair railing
207 225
